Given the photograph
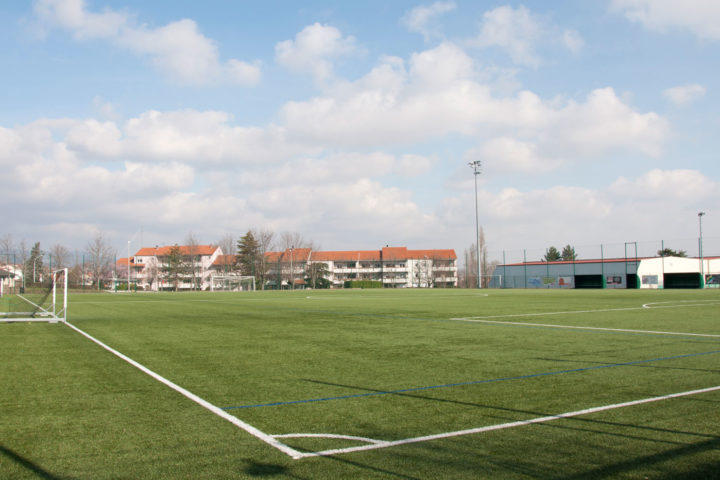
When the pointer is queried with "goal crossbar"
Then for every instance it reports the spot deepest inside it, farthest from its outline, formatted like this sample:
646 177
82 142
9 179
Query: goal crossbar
232 283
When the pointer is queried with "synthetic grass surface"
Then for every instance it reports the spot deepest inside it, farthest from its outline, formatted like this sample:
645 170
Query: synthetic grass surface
386 365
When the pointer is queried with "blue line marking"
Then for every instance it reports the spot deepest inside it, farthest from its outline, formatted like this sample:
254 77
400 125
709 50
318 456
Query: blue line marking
474 382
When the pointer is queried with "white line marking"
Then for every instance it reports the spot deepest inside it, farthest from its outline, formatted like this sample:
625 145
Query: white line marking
331 435
600 310
549 325
503 426
673 303
203 403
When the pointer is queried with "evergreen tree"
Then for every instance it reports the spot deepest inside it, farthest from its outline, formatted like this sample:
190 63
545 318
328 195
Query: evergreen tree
34 264
317 273
568 253
173 269
669 252
552 255
248 257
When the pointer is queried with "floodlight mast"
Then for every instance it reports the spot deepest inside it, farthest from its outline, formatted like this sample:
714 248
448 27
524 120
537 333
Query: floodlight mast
476 165
700 242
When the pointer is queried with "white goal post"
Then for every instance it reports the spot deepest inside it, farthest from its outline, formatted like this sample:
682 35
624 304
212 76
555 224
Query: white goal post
46 303
232 283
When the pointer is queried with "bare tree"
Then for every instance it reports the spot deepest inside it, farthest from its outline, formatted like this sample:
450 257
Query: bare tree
291 240
7 249
423 273
100 258
471 263
59 257
264 239
192 263
22 255
227 244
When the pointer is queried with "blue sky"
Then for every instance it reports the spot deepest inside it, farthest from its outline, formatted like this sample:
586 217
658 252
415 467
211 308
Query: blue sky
352 123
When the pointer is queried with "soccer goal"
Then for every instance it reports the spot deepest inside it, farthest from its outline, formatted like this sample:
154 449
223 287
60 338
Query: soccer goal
232 283
42 303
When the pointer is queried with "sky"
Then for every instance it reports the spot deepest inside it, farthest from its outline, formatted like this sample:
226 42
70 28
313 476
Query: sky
354 123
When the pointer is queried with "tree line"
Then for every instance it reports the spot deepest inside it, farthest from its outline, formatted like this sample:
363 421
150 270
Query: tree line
251 258
96 263
89 266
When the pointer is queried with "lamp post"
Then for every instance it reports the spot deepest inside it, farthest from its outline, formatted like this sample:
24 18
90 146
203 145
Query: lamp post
700 242
128 260
476 171
35 263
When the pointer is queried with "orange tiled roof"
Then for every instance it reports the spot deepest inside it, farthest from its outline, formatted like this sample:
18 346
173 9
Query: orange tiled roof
447 254
123 262
184 250
225 260
296 254
388 253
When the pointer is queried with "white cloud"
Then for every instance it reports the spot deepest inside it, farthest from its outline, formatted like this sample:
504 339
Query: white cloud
178 49
439 94
104 109
441 66
313 50
520 32
666 186
559 202
507 154
573 41
99 138
650 206
685 94
72 15
604 123
335 168
413 165
515 30
419 19
699 17
205 138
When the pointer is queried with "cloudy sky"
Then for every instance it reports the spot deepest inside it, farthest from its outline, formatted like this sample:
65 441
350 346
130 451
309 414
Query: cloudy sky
353 123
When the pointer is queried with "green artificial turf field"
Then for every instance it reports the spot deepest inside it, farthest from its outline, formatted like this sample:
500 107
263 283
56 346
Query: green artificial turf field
367 384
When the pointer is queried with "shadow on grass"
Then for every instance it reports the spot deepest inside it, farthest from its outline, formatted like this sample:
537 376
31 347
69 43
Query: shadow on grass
584 362
256 469
364 466
269 470
536 414
27 464
707 471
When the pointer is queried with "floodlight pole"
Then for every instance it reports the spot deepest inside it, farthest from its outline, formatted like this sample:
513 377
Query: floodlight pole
476 171
700 241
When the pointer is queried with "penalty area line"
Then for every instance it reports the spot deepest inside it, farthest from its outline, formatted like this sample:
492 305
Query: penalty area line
386 444
576 327
269 439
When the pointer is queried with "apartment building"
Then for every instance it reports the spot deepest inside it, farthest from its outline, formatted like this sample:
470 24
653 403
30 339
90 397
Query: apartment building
395 267
149 267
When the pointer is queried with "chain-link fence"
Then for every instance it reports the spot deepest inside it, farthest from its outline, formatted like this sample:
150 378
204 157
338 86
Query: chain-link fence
601 265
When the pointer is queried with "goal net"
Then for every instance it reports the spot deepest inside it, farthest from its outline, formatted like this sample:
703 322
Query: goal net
39 303
232 283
